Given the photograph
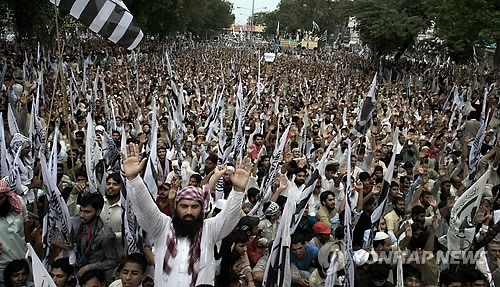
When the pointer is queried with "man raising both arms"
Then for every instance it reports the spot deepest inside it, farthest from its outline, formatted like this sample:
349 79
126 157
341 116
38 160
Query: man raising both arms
184 243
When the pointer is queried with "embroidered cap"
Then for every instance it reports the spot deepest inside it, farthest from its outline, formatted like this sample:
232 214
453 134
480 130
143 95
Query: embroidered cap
272 209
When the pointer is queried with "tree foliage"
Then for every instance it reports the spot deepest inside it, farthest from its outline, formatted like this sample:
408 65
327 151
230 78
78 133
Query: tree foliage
464 23
388 26
299 14
34 19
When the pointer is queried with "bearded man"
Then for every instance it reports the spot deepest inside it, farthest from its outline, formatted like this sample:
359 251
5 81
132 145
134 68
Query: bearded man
185 242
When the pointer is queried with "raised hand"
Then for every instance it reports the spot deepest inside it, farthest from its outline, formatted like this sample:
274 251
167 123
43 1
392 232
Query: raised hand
239 179
408 230
433 202
283 183
220 170
132 166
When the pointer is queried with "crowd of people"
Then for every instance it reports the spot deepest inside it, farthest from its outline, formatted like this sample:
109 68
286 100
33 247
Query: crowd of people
209 223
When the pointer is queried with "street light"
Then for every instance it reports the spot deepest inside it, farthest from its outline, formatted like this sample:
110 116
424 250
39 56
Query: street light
252 11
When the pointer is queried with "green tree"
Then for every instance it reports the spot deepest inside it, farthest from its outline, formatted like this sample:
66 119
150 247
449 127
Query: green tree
299 14
388 26
461 24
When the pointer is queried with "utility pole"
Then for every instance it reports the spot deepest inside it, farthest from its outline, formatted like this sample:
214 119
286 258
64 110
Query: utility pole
251 19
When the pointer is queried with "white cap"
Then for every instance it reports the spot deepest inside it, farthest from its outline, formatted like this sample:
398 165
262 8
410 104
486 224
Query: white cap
380 236
360 257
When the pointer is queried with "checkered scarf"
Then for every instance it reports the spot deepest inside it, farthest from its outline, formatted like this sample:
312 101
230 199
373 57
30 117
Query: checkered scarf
189 193
14 201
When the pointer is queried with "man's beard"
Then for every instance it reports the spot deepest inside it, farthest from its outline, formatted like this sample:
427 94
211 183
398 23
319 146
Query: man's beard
399 212
112 196
299 182
187 228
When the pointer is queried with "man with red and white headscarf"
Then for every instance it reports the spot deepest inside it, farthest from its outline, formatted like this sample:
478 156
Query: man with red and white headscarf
13 217
184 243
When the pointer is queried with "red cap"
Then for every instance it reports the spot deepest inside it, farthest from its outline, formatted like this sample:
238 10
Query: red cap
321 228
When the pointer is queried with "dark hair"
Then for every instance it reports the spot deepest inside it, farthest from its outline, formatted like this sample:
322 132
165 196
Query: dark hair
82 172
281 201
63 264
297 238
255 136
197 177
399 157
324 195
13 267
472 275
416 210
448 276
212 158
410 271
425 192
393 184
333 167
379 271
252 192
300 169
93 273
376 243
240 236
363 175
397 199
115 176
92 199
137 258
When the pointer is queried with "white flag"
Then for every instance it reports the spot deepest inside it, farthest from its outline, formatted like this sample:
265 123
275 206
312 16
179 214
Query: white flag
11 118
151 172
41 276
461 229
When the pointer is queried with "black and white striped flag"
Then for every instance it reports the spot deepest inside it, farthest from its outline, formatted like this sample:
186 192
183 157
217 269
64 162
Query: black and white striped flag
240 124
270 179
475 151
365 114
109 18
129 221
315 26
151 173
324 36
384 194
348 226
278 272
308 189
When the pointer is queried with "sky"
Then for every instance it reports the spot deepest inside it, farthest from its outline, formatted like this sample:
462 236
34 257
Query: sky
242 9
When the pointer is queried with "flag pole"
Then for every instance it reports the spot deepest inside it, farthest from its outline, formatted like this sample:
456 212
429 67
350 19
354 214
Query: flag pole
57 72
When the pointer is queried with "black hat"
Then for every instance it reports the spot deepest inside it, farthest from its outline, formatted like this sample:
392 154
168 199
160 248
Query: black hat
248 223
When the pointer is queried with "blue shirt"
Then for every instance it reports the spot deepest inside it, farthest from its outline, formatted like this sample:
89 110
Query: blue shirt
311 254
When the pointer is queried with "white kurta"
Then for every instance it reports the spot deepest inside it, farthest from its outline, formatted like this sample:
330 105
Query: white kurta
157 225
